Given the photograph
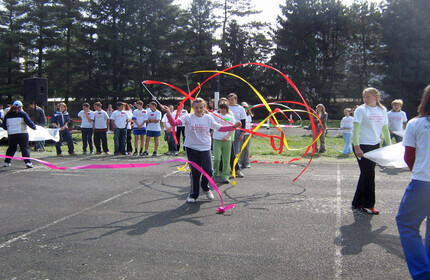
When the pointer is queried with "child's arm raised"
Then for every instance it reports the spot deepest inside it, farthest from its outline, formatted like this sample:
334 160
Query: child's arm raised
171 120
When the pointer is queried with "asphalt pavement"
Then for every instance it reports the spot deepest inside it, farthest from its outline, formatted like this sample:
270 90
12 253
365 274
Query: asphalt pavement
135 224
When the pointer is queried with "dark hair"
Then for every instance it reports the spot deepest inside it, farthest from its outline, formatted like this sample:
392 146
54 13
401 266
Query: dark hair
33 103
223 106
119 104
424 108
85 104
13 110
153 103
98 103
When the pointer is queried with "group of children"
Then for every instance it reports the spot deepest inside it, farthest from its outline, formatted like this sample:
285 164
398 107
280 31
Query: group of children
121 121
396 118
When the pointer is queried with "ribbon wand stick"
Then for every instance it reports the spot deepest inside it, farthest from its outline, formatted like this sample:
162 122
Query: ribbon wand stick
153 97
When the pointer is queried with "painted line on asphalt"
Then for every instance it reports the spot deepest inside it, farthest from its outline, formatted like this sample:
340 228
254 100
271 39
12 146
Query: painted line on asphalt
338 235
23 236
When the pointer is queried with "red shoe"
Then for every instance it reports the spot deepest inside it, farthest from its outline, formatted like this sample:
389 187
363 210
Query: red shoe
372 211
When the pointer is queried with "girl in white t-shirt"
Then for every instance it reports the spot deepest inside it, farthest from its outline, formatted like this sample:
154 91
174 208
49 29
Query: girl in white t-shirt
370 121
198 144
346 126
415 206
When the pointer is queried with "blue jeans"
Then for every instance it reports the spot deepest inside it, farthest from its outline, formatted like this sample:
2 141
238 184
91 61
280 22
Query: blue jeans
87 139
119 139
236 142
65 135
347 139
398 139
170 141
414 208
204 160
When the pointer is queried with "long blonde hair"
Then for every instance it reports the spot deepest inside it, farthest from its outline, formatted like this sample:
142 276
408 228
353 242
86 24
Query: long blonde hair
374 92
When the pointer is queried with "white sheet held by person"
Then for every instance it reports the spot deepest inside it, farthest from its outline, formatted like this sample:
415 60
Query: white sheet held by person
389 156
39 134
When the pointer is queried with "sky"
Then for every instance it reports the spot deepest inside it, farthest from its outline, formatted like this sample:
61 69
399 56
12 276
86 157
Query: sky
270 8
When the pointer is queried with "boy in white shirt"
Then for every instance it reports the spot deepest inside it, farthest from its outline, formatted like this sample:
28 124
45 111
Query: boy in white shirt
119 125
153 128
180 129
396 119
101 120
139 128
87 118
346 125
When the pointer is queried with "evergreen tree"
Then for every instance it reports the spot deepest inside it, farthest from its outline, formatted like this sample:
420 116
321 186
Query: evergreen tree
363 60
10 45
406 55
41 33
61 62
311 46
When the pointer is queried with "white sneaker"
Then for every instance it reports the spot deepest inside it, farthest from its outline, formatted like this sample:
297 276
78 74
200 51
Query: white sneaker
209 195
191 200
6 164
29 165
239 174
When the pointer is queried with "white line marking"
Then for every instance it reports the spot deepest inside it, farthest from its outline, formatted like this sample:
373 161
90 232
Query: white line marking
338 246
22 236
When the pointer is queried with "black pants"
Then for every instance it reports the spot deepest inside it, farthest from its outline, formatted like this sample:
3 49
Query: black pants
100 136
128 141
87 139
198 180
180 130
14 140
365 192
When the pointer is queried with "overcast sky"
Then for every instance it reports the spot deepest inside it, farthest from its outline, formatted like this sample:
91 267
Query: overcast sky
270 8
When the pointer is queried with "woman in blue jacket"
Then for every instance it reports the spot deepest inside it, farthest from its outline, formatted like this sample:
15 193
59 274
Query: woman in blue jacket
60 119
15 122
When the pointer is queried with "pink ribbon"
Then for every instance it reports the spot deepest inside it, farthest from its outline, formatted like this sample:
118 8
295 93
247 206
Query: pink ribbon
220 209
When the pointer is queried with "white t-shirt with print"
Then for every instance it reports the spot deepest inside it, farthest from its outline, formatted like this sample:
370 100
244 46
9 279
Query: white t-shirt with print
183 113
129 116
238 112
153 115
396 120
347 123
85 122
120 118
139 117
100 118
165 122
372 119
227 119
248 124
417 135
197 131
